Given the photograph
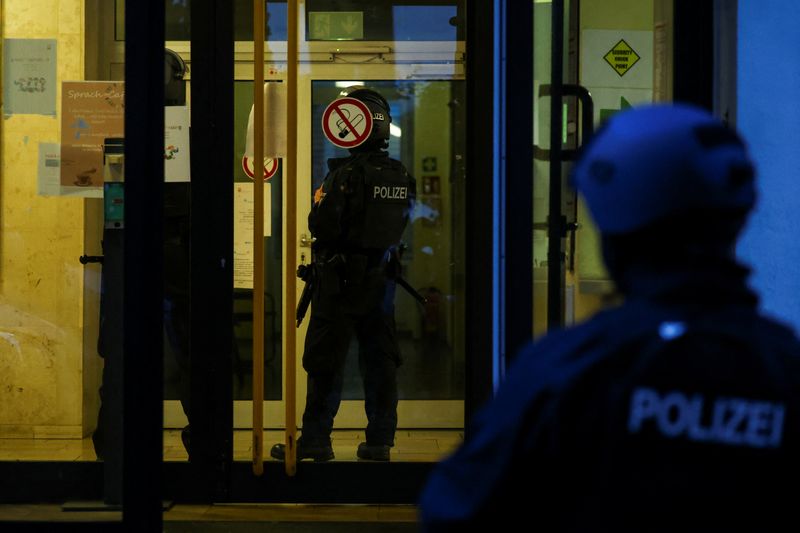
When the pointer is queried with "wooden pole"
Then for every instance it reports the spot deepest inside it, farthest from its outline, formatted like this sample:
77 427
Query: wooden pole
258 237
291 239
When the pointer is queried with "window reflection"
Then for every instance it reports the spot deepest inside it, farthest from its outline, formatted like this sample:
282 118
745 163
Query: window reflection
427 136
399 20
273 274
178 17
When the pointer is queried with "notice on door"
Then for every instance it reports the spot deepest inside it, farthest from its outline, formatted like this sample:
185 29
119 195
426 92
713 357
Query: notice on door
176 143
243 228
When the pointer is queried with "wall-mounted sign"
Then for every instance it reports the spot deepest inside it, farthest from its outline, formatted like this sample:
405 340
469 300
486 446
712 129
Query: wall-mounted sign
616 59
431 185
335 25
622 57
29 76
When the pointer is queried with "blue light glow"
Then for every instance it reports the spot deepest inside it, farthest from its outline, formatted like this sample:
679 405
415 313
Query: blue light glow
768 73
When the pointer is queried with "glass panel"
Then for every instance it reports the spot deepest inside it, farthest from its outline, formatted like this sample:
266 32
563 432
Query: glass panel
542 35
428 136
178 14
427 117
60 148
177 259
393 20
105 57
273 271
646 28
275 20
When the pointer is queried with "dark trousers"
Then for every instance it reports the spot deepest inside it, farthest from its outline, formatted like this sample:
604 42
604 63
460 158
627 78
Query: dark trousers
366 312
176 337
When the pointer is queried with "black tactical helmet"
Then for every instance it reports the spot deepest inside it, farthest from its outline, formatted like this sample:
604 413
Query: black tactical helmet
381 117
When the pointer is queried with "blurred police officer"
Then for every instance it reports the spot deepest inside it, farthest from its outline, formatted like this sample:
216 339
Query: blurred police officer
358 218
676 411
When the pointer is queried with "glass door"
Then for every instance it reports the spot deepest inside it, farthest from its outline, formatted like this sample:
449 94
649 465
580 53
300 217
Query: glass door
427 111
419 69
592 58
557 131
624 59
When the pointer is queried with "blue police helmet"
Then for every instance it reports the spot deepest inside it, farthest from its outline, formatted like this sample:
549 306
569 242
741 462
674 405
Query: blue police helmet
658 162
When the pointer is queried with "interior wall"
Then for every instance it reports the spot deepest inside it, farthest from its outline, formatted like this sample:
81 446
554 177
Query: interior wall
432 264
41 238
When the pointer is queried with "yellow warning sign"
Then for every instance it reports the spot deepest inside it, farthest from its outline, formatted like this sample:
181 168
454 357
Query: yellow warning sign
622 57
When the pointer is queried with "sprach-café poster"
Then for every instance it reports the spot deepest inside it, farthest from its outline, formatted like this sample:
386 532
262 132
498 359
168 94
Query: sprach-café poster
91 111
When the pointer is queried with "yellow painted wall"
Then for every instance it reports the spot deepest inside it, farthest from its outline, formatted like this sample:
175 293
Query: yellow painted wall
41 238
617 14
432 138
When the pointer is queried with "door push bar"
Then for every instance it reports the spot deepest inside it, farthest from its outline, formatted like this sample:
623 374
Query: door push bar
587 131
587 119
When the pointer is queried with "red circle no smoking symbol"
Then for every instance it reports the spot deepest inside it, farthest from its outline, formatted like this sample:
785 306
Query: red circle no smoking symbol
347 122
270 167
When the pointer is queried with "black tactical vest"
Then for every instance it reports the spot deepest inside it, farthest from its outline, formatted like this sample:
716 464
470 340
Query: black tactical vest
383 197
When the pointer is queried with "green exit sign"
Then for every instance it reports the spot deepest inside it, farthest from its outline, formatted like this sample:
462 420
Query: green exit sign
335 25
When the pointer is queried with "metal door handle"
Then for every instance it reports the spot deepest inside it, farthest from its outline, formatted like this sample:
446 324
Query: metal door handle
587 118
84 259
305 241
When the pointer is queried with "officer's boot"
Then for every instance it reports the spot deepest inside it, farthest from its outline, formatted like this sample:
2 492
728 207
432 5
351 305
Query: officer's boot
373 452
317 451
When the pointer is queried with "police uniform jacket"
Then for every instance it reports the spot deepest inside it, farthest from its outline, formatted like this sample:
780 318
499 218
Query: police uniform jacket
363 205
359 214
677 411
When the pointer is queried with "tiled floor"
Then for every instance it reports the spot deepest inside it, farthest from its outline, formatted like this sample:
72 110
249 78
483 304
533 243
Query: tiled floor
249 517
415 445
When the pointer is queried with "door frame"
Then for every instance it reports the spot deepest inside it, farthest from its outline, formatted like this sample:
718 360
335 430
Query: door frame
445 414
219 478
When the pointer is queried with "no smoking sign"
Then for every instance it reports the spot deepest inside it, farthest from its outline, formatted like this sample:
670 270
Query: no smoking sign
270 167
347 122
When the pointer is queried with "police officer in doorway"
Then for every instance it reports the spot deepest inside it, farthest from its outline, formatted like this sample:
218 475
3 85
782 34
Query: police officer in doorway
679 410
358 218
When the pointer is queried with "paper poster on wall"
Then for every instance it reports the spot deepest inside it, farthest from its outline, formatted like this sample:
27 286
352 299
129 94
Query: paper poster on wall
49 175
91 111
176 143
617 58
29 76
243 227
